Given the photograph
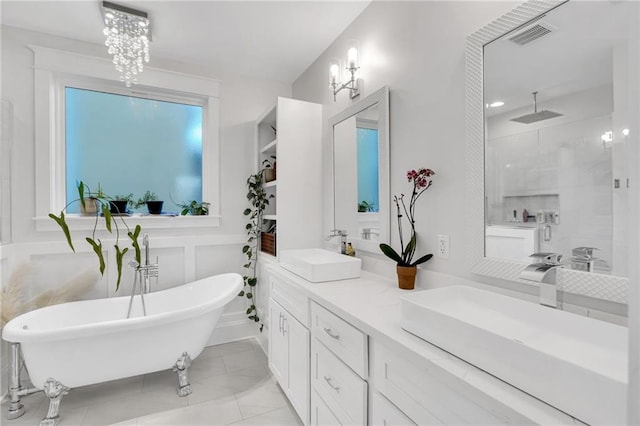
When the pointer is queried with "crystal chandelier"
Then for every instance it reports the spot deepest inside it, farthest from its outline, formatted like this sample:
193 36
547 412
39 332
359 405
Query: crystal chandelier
128 32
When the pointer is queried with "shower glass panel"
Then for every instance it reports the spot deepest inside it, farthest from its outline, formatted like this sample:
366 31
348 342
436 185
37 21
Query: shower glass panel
132 145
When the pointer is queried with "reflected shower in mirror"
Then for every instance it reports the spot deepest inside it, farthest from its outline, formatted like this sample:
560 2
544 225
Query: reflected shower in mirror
556 135
360 174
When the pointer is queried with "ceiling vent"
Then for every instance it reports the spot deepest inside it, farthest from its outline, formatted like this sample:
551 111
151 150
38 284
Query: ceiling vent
530 34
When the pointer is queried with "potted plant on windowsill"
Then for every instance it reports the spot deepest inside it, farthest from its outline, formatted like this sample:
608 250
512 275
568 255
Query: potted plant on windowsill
194 208
365 206
151 200
406 266
91 199
119 204
103 206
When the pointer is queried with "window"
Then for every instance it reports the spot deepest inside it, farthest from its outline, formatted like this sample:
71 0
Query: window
367 149
60 74
129 144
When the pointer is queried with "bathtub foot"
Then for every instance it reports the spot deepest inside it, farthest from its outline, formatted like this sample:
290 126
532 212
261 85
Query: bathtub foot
55 391
16 409
181 366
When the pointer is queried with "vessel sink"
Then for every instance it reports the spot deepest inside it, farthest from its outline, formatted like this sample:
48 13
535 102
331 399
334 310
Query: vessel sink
574 363
319 265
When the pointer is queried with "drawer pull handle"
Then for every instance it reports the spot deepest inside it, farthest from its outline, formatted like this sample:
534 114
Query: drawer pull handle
331 334
330 383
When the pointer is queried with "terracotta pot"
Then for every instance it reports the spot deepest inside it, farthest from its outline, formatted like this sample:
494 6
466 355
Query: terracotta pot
90 207
406 277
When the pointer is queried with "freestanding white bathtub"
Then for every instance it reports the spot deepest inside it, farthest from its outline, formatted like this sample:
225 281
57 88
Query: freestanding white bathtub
82 343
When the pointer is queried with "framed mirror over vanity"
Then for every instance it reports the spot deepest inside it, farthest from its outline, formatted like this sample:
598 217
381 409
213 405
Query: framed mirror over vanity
359 140
549 125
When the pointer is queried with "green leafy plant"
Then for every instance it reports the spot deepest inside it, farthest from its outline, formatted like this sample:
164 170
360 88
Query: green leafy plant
421 183
148 196
259 200
194 208
365 206
110 224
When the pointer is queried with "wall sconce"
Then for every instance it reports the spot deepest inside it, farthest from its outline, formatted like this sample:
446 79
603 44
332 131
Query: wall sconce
353 84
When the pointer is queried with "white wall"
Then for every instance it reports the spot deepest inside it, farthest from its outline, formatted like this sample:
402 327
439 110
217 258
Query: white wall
418 50
184 253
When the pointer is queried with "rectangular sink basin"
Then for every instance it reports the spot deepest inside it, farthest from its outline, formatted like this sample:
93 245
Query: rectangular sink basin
319 265
574 363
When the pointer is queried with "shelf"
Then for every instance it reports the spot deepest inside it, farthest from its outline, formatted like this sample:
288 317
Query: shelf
271 146
270 184
269 217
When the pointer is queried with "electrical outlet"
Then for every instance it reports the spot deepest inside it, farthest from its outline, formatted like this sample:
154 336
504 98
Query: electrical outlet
443 246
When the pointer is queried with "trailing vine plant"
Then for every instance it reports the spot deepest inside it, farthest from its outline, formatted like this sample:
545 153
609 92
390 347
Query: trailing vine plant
259 200
102 204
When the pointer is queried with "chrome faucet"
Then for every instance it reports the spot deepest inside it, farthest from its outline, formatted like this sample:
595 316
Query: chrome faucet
149 270
544 271
343 239
582 259
143 273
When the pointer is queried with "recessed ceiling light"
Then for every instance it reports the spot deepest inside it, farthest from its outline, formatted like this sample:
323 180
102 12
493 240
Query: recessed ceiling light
496 104
625 132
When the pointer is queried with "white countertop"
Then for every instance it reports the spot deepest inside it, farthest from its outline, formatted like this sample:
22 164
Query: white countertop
372 303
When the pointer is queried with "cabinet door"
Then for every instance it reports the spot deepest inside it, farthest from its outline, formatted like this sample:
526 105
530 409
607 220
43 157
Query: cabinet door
298 373
278 346
321 415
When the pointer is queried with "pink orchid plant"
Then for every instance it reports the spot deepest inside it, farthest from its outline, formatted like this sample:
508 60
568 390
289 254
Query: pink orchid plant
421 180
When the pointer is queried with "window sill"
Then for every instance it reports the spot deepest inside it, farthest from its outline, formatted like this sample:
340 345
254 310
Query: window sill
147 222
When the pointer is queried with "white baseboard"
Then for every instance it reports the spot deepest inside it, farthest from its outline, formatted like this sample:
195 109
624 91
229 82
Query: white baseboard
230 331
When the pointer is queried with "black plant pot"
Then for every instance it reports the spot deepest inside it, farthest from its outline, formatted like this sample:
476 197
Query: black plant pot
118 206
154 207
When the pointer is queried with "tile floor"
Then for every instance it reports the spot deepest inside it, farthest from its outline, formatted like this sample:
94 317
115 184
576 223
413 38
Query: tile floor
231 385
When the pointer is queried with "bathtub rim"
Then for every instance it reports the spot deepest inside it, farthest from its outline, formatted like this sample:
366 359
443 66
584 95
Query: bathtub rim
13 331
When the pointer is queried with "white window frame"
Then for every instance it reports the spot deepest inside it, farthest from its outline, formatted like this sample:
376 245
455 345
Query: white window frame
56 69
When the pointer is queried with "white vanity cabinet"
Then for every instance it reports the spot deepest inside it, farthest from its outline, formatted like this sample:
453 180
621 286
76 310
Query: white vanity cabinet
428 394
289 343
339 369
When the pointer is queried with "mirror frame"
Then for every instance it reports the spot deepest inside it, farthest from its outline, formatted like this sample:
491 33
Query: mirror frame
380 97
598 286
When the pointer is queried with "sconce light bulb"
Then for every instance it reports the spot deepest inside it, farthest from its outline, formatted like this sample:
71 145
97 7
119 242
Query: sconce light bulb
625 132
352 58
334 71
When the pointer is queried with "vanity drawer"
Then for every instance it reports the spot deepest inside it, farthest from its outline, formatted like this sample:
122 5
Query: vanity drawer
425 393
343 339
344 392
289 296
384 413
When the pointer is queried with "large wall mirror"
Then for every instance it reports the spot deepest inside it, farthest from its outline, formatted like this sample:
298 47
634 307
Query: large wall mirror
550 103
360 144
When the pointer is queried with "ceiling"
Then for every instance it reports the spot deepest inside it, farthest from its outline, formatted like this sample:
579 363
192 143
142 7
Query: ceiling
577 55
274 40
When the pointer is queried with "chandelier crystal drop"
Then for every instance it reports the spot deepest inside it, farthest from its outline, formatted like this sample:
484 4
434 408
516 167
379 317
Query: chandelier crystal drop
127 39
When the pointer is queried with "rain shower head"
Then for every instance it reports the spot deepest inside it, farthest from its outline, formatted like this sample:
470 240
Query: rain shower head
536 115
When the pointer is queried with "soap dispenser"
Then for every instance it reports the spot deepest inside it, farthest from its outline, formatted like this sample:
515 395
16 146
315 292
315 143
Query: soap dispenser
350 250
